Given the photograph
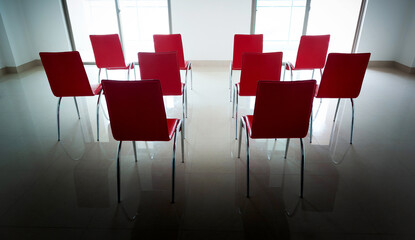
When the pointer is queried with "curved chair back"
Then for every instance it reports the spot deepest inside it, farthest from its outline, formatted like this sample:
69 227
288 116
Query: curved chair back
164 67
259 66
343 75
170 43
66 74
245 43
312 52
282 109
108 51
136 110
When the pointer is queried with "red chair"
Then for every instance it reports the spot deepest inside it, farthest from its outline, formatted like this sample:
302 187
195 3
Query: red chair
171 43
243 43
255 67
109 55
282 110
311 54
342 78
67 78
164 67
137 113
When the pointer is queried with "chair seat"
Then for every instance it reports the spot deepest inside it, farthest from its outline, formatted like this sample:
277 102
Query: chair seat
171 126
96 88
131 66
238 90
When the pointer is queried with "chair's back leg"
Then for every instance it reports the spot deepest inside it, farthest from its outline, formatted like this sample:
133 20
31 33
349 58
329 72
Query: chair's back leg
77 109
247 162
135 151
286 148
99 100
173 168
337 108
182 138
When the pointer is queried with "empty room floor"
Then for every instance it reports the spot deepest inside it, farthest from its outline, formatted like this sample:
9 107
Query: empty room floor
67 189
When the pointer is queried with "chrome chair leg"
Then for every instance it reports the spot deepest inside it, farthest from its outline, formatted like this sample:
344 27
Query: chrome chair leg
118 172
236 117
98 102
351 132
57 115
240 137
286 148
285 68
302 167
128 72
233 103
77 109
180 126
106 72
185 99
135 151
337 108
135 75
247 162
311 125
173 168
99 75
230 82
184 116
312 74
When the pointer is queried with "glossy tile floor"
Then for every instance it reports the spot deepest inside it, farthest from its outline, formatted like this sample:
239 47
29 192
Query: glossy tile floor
67 189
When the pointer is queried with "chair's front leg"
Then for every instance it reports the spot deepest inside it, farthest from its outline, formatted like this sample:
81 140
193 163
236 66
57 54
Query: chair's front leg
302 167
247 162
135 151
311 125
286 148
240 137
191 75
236 116
98 102
230 82
99 75
184 115
179 127
173 168
135 75
57 116
119 172
351 132
337 108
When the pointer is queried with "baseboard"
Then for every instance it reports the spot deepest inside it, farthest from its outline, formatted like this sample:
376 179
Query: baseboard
21 68
392 64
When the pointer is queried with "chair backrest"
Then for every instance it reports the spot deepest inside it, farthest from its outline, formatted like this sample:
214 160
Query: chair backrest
282 109
107 51
170 43
343 75
245 43
259 66
312 52
66 74
164 67
136 110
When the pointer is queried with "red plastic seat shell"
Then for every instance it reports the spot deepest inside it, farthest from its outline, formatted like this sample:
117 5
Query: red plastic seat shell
170 43
243 43
108 51
312 52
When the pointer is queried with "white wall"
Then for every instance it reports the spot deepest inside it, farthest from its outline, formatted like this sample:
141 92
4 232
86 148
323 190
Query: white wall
17 32
47 26
407 51
385 31
208 26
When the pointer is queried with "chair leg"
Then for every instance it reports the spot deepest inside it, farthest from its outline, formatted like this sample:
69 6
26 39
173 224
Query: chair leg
185 99
351 132
247 162
118 172
57 115
173 168
312 74
99 75
230 82
337 108
286 148
135 75
302 167
285 68
184 116
106 73
98 102
135 151
240 137
233 103
128 73
236 117
311 125
77 109
182 139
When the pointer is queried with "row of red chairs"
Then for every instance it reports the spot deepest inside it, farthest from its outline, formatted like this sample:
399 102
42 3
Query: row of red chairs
282 109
